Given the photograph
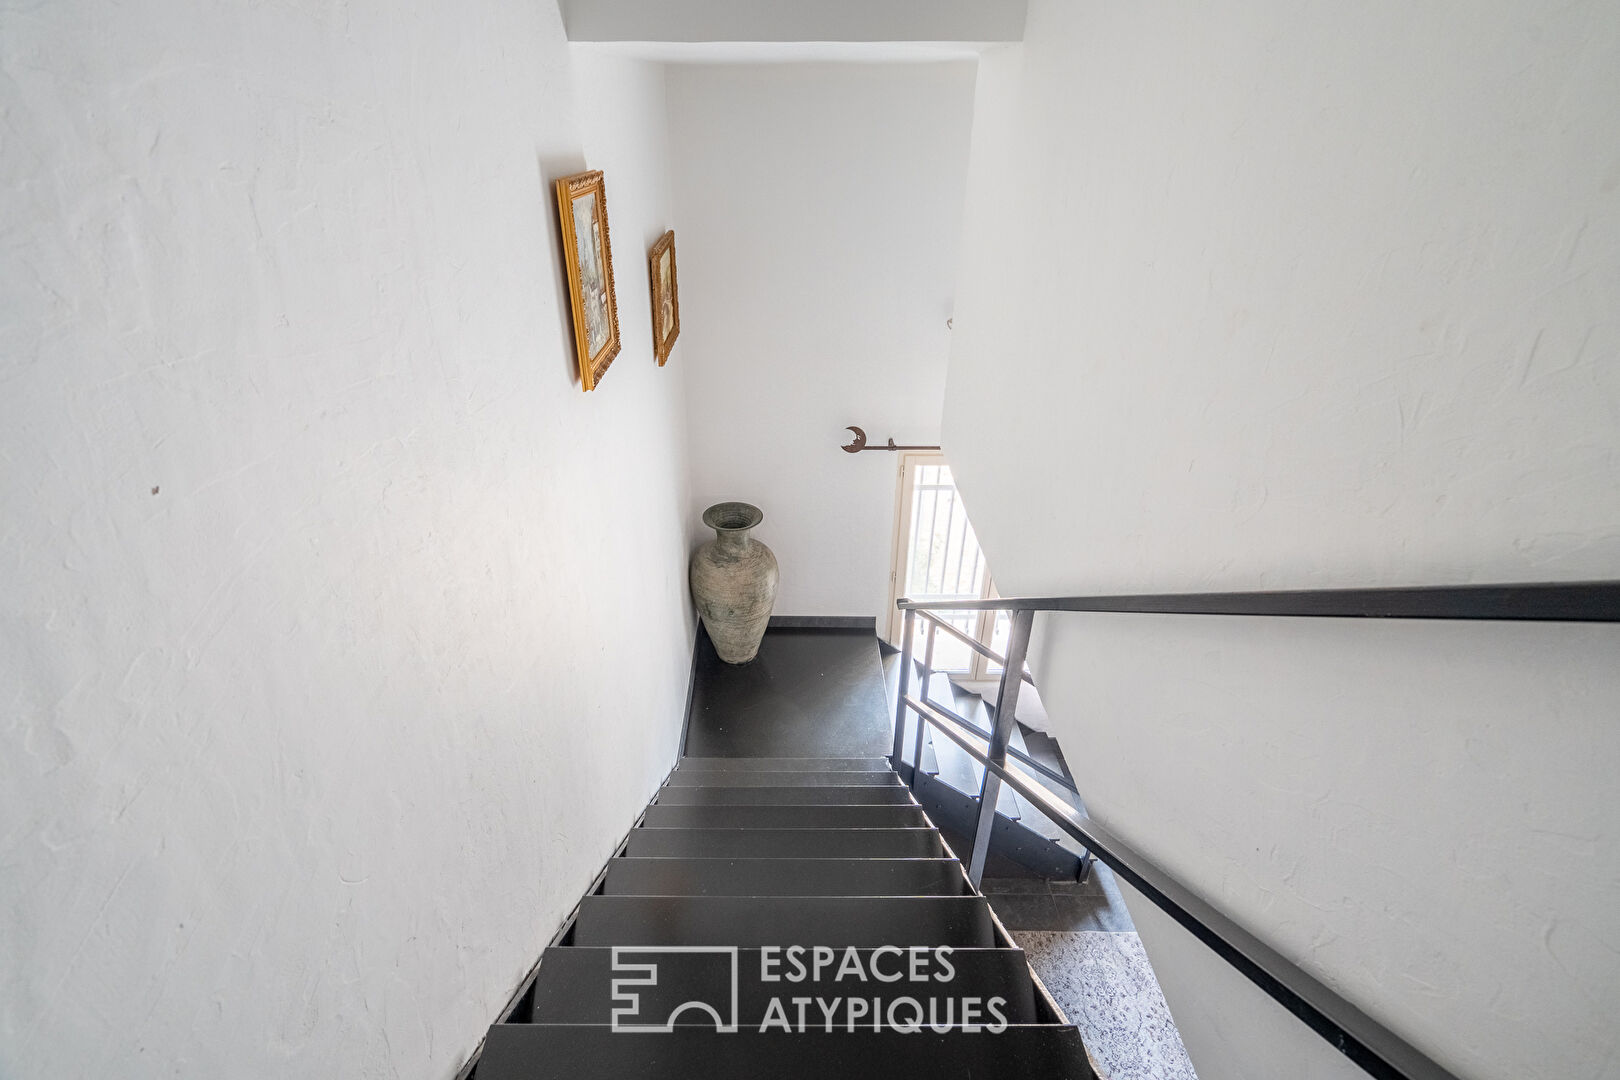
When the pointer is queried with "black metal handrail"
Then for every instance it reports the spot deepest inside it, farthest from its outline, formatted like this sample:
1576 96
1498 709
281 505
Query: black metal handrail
1358 1036
1588 601
1376 1049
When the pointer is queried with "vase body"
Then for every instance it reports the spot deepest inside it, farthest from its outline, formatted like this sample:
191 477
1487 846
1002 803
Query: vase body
734 581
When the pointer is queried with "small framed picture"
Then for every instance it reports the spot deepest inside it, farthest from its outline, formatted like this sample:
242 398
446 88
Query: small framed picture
666 296
582 208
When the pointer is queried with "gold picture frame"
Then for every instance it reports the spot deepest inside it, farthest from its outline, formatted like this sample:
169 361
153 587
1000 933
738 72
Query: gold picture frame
666 296
588 251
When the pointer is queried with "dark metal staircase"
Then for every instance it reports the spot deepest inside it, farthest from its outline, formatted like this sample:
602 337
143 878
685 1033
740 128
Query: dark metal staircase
949 779
747 872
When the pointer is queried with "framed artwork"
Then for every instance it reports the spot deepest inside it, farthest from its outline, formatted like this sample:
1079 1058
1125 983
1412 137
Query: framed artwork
666 296
582 208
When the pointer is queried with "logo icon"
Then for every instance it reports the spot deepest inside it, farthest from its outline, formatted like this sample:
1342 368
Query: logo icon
633 980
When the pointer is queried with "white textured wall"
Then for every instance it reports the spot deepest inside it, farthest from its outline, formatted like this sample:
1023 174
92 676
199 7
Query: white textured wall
1282 295
820 210
342 634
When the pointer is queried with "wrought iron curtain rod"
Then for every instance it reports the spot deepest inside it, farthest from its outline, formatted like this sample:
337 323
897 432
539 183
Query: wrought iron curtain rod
1589 601
860 444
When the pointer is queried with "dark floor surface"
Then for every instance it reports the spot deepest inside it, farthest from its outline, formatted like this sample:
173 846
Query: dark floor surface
821 693
1025 900
809 693
1031 903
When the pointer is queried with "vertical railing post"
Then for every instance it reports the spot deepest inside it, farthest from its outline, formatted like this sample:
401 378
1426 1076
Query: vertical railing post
1012 679
905 685
927 677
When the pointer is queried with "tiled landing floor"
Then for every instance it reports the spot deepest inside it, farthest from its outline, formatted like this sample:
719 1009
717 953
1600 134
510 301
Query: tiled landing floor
1106 986
1083 945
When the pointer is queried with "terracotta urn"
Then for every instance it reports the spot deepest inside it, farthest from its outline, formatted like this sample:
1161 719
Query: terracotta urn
734 581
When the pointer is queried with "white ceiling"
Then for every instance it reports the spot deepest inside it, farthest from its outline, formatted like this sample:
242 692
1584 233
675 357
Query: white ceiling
776 52
835 25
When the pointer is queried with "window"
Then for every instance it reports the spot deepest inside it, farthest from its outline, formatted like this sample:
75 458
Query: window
937 557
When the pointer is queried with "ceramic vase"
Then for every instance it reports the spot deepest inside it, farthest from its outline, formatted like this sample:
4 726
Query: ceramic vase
734 581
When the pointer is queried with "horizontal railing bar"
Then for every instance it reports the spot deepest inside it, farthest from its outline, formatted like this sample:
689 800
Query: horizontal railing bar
1591 601
961 635
1376 1049
1047 771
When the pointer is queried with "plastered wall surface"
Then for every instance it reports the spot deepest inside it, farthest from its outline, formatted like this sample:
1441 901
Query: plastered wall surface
820 208
1238 1028
342 634
1283 296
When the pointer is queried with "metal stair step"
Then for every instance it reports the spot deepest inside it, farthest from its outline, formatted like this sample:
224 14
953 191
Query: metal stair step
783 796
570 1052
574 984
786 843
781 764
784 920
781 778
665 815
784 877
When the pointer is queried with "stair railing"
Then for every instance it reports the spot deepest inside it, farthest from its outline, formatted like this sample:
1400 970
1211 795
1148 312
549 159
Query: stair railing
926 671
1376 1049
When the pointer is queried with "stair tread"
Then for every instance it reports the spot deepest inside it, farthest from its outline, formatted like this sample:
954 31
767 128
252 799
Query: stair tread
554 1052
739 870
799 816
789 764
686 876
784 920
779 796
786 843
782 778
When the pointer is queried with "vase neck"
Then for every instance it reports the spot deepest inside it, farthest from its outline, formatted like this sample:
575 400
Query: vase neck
731 539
